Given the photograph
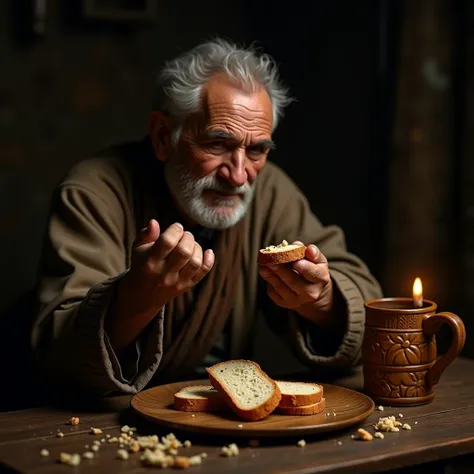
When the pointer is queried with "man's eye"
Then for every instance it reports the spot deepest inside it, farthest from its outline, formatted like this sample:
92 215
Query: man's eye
258 149
217 145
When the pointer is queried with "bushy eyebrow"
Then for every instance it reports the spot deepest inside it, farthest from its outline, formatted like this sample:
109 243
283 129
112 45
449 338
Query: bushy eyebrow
223 135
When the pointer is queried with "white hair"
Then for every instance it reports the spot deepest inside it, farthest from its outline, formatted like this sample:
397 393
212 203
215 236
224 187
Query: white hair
181 80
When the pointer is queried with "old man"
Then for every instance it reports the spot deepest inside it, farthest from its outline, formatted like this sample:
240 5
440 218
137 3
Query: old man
149 268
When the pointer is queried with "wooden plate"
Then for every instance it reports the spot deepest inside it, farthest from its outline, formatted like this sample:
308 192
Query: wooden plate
344 408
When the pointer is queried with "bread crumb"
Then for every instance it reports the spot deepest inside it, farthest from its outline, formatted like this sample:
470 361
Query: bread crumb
102 440
231 450
125 429
254 443
182 462
416 422
380 408
88 455
193 415
134 447
95 448
44 453
204 455
86 446
75 460
353 436
339 443
107 435
379 435
64 458
60 435
301 443
195 460
96 431
113 440
121 454
187 443
74 420
364 435
173 451
240 426
406 426
400 415
96 442
71 459
388 423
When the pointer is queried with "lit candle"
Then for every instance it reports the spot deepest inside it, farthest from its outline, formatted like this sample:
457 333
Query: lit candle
417 293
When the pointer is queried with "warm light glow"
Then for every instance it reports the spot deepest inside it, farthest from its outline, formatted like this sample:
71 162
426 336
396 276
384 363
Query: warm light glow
417 288
418 293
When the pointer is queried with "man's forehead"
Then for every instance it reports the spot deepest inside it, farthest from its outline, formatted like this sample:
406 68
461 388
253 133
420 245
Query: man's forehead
222 99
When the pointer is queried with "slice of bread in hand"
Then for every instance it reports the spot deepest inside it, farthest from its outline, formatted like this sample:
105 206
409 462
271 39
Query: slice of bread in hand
313 409
282 253
199 398
295 394
247 389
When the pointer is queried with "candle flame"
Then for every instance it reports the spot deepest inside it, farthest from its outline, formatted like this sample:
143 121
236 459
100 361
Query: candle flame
417 288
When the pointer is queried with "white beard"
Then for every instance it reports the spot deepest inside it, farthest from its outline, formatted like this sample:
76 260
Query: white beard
188 192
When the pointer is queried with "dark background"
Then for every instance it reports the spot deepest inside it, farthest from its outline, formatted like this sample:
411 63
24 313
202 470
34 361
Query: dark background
379 139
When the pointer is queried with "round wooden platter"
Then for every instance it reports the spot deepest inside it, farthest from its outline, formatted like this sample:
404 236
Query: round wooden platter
344 408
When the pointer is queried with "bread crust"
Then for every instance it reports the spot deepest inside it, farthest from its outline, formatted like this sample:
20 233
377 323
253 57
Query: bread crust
212 403
277 258
301 399
257 413
313 409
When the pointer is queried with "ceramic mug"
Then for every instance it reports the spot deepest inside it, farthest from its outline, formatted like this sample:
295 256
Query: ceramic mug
400 361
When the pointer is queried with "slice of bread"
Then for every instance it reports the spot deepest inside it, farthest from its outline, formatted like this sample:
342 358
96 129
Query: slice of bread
296 394
199 398
282 253
313 409
247 389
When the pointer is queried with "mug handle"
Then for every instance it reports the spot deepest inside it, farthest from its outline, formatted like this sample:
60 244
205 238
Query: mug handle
431 325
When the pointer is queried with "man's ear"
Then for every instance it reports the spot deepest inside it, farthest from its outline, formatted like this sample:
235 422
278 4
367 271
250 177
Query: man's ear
159 129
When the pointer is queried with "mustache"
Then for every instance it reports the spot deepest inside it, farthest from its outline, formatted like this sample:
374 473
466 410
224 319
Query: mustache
213 184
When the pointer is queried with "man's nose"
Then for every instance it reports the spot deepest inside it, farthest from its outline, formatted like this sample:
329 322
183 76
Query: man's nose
234 171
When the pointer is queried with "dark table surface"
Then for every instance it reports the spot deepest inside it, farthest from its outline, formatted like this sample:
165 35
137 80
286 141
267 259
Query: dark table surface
441 431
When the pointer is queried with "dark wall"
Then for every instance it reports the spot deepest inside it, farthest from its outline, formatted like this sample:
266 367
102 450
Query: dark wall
337 57
80 86
83 85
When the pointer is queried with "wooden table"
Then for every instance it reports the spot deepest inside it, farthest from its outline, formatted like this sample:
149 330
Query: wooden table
442 438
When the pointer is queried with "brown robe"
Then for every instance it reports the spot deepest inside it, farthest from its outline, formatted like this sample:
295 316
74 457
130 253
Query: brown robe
96 214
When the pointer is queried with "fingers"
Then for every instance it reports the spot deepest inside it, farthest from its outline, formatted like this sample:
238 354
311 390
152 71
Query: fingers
167 242
147 236
182 253
313 254
312 272
274 296
193 265
278 285
290 278
208 262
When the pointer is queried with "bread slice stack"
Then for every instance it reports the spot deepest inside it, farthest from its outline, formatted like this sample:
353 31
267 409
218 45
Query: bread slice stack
243 387
300 398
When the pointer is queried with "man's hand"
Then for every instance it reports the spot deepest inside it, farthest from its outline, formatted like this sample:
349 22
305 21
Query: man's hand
163 266
304 286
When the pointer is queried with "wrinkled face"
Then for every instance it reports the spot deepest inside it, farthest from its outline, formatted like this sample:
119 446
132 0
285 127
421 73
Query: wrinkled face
222 149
